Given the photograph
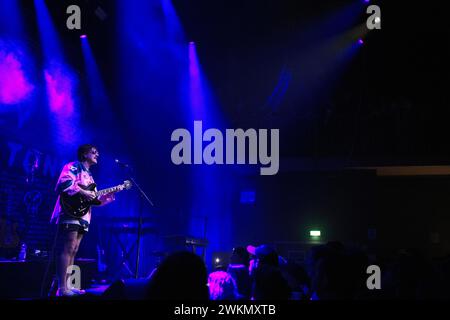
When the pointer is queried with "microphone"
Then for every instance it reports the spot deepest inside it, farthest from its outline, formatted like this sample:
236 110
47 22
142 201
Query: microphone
120 163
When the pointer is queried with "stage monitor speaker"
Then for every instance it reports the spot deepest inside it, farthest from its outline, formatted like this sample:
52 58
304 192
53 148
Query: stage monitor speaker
23 279
129 289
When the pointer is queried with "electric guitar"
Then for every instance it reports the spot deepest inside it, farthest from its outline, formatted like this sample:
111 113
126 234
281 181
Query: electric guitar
77 205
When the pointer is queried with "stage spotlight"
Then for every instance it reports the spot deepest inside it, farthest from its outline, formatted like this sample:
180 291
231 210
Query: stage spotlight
83 36
361 41
220 260
191 43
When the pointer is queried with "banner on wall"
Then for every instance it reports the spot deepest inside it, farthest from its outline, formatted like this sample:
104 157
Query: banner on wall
27 181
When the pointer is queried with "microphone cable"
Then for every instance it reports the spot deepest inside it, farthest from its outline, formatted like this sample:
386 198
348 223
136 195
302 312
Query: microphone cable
50 259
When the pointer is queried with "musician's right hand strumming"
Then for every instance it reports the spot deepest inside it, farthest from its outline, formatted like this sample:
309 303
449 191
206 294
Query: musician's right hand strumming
90 195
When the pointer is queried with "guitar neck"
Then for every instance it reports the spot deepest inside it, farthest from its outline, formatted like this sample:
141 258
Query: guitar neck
109 190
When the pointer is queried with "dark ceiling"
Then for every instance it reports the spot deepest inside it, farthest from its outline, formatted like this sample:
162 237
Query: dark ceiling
389 104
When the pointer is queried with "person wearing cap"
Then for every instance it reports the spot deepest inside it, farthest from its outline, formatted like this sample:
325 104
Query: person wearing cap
262 255
268 282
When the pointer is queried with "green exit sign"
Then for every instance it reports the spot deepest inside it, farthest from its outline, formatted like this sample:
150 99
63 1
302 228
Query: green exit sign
314 233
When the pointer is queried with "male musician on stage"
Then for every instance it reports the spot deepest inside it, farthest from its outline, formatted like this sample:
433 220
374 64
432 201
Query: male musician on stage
71 229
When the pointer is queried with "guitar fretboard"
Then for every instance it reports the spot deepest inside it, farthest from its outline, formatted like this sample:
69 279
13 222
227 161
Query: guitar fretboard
109 190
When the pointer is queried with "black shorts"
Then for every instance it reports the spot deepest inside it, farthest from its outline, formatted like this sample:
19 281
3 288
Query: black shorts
65 228
69 224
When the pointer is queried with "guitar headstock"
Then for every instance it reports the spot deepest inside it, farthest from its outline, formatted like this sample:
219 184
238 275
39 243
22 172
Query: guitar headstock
127 184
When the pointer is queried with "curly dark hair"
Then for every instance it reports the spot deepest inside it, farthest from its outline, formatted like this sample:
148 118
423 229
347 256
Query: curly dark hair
83 150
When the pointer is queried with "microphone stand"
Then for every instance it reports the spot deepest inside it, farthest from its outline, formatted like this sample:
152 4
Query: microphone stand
144 195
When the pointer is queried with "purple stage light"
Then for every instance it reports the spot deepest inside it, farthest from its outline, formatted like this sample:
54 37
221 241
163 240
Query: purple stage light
14 85
59 91
60 85
194 66
361 41
83 36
